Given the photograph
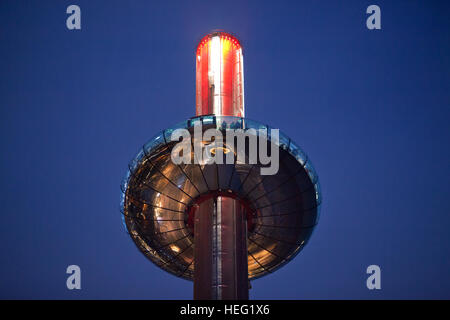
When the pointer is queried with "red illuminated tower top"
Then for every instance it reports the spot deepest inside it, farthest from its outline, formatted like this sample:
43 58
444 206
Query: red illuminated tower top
220 76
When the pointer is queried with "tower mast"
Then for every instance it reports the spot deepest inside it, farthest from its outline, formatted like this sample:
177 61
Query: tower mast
220 236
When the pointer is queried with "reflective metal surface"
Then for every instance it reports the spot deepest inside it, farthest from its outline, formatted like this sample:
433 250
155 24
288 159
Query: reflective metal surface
157 195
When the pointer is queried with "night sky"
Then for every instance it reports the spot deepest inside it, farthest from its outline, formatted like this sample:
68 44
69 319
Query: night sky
371 108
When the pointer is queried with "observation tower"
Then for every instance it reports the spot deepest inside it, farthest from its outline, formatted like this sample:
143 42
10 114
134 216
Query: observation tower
220 223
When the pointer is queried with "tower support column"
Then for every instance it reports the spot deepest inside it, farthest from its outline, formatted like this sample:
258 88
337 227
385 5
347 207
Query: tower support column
220 237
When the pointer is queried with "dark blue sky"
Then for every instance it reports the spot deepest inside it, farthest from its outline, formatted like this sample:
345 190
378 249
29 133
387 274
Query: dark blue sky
370 108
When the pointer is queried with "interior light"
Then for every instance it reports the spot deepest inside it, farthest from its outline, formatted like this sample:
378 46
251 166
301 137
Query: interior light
224 150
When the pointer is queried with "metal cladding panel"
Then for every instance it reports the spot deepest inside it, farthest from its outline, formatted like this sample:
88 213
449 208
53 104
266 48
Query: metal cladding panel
226 81
233 250
219 76
203 265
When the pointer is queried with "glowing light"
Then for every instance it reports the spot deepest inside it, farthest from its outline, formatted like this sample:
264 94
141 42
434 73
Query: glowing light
219 76
204 142
216 55
224 150
174 248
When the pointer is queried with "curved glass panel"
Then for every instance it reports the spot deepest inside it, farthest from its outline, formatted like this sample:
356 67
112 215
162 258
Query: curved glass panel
250 124
155 142
318 193
168 132
311 172
283 141
298 153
